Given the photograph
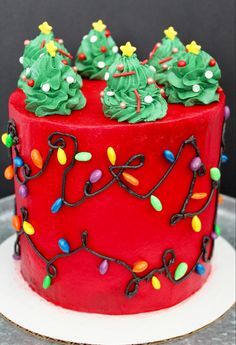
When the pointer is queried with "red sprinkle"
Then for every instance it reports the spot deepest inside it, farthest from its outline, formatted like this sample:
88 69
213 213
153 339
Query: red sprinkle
81 56
144 62
107 33
65 62
156 46
212 62
165 60
30 82
65 54
103 49
124 74
42 44
182 63
219 89
138 101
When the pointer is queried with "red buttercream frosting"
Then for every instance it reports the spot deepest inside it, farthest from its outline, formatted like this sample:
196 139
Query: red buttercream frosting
118 224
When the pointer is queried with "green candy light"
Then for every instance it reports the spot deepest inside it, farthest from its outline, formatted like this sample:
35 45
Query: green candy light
9 141
215 174
181 270
156 203
217 230
83 156
47 282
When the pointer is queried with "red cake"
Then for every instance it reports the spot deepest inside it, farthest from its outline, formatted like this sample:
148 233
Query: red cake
115 217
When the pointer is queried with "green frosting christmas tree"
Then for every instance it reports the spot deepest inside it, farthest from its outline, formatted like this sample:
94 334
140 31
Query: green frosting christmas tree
53 87
194 78
164 54
96 52
131 93
35 47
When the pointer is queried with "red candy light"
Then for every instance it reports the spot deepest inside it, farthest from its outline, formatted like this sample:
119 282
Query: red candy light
30 82
212 62
182 63
81 56
103 49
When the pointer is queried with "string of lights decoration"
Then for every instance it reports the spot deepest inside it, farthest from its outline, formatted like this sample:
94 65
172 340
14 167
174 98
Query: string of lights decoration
57 142
168 259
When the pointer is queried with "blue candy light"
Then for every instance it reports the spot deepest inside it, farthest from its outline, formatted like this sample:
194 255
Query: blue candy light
57 205
224 158
169 156
18 162
64 245
200 269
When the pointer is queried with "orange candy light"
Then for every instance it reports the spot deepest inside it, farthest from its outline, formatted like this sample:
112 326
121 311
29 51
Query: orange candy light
199 196
130 179
16 223
9 172
37 158
140 266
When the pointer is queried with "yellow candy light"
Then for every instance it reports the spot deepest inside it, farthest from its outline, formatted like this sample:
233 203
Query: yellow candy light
128 49
196 224
61 156
156 284
45 28
193 48
28 228
111 155
4 138
99 25
170 33
51 48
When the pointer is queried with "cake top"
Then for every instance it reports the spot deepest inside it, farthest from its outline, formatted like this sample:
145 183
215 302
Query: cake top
136 91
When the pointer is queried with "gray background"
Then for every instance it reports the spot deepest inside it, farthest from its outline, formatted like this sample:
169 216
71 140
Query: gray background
210 22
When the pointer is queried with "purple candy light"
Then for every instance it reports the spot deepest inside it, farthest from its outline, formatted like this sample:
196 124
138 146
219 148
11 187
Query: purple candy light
95 176
195 164
16 257
23 191
214 235
103 268
227 112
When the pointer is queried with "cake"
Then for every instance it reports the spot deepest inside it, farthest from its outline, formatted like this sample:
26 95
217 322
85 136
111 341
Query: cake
116 201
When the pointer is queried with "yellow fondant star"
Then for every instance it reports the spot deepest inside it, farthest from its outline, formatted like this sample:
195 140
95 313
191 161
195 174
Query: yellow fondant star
170 33
45 28
128 49
51 48
99 25
193 48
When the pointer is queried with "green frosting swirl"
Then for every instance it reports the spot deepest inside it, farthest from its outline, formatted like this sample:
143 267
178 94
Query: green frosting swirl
32 52
120 98
195 83
62 92
96 62
166 49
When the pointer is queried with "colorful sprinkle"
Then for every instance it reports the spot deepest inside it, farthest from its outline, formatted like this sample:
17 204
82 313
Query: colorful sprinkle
9 173
196 224
130 179
181 270
37 158
169 156
61 156
23 191
57 205
47 282
199 196
64 245
83 156
156 203
156 284
16 223
95 176
200 269
28 228
103 267
111 155
140 266
215 174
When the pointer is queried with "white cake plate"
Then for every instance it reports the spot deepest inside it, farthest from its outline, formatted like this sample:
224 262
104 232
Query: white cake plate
22 306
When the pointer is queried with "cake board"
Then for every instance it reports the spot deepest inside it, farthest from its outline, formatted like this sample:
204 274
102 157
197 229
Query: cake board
22 306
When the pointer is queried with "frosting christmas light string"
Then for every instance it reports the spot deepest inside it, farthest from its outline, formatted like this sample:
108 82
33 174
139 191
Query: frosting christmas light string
56 142
181 272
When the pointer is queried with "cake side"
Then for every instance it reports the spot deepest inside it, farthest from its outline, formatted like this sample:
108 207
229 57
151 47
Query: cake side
120 224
